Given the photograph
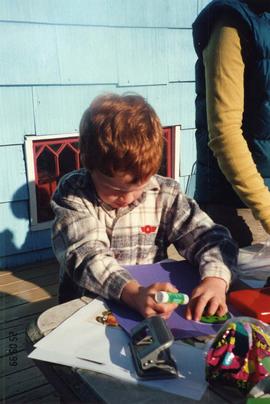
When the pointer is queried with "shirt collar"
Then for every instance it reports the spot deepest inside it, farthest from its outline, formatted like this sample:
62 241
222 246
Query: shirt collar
152 185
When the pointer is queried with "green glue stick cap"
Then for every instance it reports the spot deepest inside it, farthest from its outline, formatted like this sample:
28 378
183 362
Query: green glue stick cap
168 297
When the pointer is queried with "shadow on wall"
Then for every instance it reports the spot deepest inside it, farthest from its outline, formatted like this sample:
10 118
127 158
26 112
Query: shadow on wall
12 241
21 240
26 255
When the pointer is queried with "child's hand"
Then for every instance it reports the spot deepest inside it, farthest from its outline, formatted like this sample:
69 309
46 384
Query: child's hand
143 299
209 297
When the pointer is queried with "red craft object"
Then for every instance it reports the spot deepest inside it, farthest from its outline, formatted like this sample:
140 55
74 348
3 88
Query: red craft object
252 302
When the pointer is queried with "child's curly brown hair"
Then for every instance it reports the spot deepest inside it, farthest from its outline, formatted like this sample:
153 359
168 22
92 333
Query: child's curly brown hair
121 134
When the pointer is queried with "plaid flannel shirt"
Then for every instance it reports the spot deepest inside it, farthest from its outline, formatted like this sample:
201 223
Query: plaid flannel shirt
93 242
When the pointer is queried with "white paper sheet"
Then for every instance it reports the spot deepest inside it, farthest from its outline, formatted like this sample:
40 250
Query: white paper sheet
82 342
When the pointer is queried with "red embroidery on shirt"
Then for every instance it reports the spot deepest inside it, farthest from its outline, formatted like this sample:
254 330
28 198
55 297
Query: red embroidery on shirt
148 229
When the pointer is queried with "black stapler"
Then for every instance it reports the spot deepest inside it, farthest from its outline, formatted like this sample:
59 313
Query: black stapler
150 342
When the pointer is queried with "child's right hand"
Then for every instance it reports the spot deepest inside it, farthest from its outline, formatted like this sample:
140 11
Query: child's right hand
142 299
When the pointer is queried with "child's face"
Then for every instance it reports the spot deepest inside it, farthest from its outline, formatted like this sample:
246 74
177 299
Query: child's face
117 191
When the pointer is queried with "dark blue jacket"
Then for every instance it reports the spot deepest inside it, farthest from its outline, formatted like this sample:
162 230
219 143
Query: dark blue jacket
211 185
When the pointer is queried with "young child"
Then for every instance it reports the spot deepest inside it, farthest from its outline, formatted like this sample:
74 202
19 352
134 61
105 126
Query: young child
117 211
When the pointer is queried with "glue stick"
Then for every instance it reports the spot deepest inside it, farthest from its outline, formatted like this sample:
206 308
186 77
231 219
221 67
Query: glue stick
168 297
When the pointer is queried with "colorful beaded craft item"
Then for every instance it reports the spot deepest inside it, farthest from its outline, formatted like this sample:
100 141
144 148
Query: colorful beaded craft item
235 357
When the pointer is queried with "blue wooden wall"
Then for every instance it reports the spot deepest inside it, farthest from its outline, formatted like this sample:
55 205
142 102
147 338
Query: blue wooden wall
56 56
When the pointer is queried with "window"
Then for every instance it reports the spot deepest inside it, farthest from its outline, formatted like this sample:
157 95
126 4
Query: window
48 158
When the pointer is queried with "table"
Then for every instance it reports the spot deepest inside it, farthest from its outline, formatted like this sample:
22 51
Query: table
78 385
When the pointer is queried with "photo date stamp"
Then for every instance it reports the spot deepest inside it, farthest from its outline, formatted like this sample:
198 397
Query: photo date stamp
12 348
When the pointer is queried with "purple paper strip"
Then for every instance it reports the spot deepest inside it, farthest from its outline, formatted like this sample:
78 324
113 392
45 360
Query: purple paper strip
182 275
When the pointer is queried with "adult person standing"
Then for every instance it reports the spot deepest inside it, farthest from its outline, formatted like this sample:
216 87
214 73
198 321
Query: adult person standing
232 41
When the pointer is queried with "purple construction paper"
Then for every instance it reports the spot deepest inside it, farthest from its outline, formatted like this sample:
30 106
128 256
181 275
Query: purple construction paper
182 275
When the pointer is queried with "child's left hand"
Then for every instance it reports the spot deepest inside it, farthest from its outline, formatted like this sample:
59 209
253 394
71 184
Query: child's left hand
209 297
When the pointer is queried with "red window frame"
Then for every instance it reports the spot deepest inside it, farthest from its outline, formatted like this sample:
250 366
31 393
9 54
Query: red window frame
46 181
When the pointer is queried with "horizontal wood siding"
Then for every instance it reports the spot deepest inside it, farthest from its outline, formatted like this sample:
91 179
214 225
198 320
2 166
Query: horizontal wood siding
59 109
187 148
181 56
15 236
188 158
56 56
29 54
16 114
141 57
202 4
139 13
12 169
86 54
67 55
